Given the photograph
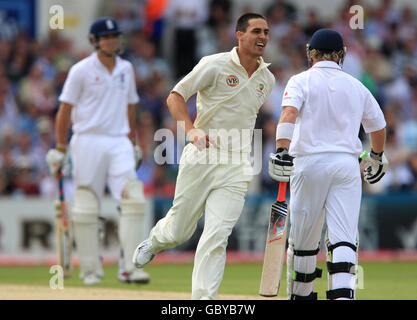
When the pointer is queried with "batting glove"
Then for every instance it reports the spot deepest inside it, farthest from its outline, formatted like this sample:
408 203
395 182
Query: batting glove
376 164
281 165
55 160
138 156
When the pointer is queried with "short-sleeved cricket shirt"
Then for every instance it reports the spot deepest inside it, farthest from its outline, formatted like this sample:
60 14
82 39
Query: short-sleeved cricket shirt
228 100
100 99
331 106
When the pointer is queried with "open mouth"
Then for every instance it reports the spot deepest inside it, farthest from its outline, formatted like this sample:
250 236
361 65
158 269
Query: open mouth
260 45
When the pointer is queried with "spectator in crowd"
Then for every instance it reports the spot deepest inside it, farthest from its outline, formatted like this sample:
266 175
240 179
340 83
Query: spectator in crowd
38 90
185 17
279 24
9 113
273 102
24 181
407 130
6 162
219 13
5 185
412 163
269 125
25 149
399 91
313 23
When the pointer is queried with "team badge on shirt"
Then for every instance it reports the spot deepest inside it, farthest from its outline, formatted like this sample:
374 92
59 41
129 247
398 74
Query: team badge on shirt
260 89
119 81
232 81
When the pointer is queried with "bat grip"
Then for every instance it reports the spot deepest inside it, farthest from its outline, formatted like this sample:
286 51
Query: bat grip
281 191
60 178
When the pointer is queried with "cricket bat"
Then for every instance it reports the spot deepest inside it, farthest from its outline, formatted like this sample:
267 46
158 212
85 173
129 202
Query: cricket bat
275 246
63 231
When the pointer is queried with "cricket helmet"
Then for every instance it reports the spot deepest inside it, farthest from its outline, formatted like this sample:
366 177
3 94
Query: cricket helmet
327 40
103 26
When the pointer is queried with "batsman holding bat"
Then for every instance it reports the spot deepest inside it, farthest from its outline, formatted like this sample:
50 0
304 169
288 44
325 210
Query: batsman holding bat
323 109
231 87
99 96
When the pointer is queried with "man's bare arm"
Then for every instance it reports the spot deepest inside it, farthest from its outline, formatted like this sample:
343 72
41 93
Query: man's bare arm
63 120
131 114
378 140
178 109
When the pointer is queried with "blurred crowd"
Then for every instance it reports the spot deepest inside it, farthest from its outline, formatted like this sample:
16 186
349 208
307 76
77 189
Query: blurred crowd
164 40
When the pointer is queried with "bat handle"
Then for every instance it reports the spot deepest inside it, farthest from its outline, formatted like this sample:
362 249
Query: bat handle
363 156
60 178
281 191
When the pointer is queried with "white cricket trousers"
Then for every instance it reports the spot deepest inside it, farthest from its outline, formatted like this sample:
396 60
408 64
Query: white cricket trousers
218 190
325 186
100 159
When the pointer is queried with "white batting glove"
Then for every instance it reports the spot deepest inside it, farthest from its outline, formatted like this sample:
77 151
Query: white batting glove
376 164
138 156
55 160
281 165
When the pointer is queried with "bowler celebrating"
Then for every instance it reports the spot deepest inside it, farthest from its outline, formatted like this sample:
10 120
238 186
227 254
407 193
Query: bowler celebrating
230 87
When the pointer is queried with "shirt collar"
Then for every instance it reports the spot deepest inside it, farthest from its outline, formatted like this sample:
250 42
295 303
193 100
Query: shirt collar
327 64
98 63
235 59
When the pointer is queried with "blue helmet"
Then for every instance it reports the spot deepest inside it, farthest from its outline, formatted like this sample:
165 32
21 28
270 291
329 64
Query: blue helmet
103 26
326 39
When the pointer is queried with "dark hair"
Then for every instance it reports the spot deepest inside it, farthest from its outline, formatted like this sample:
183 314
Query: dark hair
243 22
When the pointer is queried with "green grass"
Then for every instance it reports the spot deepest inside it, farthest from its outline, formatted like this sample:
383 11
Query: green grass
395 280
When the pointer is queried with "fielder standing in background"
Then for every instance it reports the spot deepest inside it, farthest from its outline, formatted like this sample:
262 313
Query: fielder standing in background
231 87
323 109
99 97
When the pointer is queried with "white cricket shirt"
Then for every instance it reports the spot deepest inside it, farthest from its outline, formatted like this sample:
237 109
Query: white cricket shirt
228 100
331 106
100 99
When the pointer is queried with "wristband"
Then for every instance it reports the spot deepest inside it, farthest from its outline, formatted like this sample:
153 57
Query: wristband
285 130
376 156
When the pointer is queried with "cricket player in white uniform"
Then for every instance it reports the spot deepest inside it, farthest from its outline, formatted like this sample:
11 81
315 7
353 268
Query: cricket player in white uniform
231 87
323 109
99 97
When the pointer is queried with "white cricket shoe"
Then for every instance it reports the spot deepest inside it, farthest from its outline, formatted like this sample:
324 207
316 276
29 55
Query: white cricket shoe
143 254
136 276
91 279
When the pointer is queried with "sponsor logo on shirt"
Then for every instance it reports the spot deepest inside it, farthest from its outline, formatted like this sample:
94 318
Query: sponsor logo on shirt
232 81
285 96
97 81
